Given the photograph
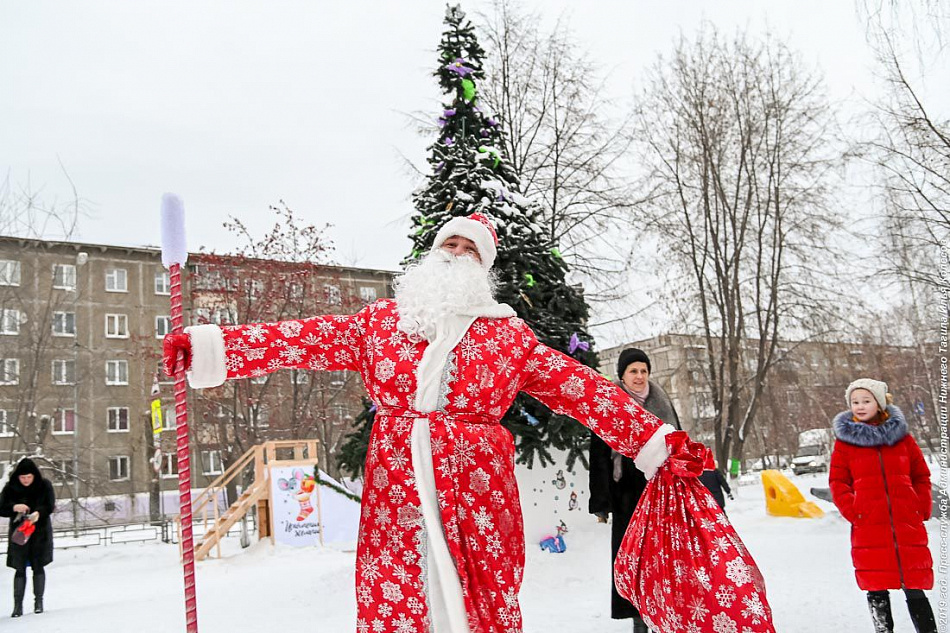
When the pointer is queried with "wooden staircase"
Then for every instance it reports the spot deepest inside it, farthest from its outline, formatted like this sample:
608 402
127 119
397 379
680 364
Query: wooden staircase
251 466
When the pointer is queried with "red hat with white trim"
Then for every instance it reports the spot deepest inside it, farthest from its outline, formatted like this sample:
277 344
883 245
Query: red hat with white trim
476 227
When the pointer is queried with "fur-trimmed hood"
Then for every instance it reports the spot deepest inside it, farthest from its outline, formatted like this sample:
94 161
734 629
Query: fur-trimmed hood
889 433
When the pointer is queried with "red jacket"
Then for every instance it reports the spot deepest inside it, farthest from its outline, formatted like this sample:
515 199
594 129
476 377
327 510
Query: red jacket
881 484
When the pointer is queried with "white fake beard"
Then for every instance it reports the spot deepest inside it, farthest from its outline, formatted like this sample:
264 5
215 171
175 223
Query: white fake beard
441 284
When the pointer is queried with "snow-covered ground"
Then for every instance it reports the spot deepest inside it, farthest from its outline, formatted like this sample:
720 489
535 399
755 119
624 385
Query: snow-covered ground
138 587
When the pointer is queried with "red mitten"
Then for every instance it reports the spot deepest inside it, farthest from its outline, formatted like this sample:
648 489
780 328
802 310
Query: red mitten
174 345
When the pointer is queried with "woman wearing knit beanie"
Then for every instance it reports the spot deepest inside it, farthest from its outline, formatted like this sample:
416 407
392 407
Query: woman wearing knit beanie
615 482
881 485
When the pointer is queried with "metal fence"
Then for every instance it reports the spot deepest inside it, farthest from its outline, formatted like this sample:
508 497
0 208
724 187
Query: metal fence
106 535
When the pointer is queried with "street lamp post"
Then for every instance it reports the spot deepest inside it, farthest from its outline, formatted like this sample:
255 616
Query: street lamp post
81 259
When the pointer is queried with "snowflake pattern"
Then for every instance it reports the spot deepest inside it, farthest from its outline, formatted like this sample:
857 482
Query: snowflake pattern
473 457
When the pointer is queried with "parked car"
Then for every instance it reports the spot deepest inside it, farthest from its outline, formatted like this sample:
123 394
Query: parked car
814 451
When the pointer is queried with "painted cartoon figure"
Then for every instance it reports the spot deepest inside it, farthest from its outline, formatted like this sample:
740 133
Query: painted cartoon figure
303 497
572 504
301 486
555 544
560 483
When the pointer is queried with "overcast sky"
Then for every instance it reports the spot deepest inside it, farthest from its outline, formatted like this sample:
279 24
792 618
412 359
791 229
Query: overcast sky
236 105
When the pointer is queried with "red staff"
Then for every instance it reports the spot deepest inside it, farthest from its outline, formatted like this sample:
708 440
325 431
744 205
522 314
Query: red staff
174 254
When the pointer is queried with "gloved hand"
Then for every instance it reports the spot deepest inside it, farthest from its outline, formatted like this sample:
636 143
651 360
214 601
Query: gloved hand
33 518
21 508
172 344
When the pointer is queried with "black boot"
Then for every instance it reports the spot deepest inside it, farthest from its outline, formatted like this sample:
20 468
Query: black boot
39 586
639 626
880 604
922 614
19 590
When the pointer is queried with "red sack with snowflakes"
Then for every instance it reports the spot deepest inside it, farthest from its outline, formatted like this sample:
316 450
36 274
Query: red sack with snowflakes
681 562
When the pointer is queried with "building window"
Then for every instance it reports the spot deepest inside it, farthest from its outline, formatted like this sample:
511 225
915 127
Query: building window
119 468
163 283
63 471
333 295
6 423
296 291
64 276
118 419
224 316
163 326
254 288
10 371
201 316
260 417
9 321
169 465
338 414
64 422
259 380
368 294
703 405
117 326
117 372
211 463
169 419
9 273
337 378
64 324
117 280
64 372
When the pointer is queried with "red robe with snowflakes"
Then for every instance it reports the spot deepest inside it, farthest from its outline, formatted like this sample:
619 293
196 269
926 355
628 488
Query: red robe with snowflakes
683 586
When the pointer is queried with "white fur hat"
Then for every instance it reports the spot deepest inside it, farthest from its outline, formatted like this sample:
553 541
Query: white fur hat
877 388
475 227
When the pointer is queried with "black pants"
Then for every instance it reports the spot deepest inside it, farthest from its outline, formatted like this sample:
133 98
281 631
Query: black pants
912 594
39 580
20 572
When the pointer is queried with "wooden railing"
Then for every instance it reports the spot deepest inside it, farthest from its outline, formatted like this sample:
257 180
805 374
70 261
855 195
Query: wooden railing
256 494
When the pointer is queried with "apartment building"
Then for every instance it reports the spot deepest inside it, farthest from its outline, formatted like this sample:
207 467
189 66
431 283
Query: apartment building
805 388
80 337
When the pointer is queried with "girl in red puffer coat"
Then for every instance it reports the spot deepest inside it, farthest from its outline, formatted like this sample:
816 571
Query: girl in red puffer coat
881 484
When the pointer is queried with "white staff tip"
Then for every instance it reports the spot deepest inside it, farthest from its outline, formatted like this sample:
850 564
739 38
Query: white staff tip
174 248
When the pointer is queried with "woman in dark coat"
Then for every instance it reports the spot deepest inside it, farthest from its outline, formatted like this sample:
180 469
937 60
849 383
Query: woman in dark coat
881 485
28 497
615 483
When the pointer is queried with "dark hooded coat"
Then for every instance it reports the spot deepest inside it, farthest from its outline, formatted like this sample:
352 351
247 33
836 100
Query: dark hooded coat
881 485
39 497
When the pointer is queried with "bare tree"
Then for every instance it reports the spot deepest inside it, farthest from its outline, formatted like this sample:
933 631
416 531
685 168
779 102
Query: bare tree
909 144
43 363
26 212
560 139
738 140
284 275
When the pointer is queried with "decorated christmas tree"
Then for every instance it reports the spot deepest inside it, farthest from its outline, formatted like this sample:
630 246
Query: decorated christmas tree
469 173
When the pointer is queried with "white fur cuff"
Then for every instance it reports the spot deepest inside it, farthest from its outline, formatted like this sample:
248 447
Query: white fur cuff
654 453
208 367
